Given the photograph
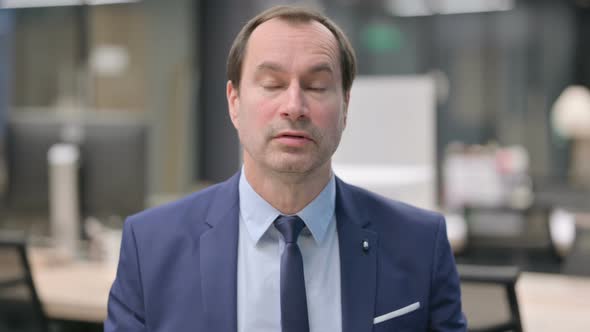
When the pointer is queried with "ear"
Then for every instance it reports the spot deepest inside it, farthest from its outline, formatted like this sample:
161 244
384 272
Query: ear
233 102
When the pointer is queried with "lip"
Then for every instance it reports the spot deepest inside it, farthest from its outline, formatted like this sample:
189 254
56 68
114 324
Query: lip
293 139
294 135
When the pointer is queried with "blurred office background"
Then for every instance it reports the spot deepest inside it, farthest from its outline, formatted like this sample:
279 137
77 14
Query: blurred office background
134 93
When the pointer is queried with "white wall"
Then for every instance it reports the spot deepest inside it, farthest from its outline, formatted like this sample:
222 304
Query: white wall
389 143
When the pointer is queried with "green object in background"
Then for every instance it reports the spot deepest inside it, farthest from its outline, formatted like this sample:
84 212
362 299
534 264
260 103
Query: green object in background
381 38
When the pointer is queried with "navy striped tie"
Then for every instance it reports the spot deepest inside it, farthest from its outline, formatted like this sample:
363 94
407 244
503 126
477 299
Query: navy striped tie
293 299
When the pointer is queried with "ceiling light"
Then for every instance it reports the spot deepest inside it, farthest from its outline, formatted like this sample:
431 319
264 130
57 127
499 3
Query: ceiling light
415 8
57 3
38 3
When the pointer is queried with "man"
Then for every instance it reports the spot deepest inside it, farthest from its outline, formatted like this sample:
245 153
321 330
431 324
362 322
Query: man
284 245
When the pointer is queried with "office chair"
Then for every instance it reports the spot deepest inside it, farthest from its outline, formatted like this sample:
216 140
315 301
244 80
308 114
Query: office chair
489 298
20 308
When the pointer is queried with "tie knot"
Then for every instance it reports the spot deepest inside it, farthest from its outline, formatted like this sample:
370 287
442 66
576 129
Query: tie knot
289 227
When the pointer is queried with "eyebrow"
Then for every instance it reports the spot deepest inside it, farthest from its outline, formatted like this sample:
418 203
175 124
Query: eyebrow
271 66
321 67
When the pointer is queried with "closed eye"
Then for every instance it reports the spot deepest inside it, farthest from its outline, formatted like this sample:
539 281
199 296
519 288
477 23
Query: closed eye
317 88
272 87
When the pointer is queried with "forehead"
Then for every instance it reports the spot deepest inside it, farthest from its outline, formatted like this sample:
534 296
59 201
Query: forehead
291 43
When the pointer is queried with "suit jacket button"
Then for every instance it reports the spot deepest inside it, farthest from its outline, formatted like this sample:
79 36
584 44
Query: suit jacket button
365 245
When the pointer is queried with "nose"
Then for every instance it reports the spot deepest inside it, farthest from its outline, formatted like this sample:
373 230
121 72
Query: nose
295 106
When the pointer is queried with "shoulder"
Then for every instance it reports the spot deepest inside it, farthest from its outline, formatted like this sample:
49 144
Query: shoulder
376 206
390 217
188 211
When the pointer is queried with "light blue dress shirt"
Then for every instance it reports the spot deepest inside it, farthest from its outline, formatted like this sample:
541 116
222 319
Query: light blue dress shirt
259 256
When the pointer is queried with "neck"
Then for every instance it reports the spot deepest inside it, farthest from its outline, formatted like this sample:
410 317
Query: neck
288 192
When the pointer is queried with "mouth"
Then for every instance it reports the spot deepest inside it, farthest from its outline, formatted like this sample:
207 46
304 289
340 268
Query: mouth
293 139
294 135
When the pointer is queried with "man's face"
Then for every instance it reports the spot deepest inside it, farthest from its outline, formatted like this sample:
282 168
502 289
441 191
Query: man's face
290 108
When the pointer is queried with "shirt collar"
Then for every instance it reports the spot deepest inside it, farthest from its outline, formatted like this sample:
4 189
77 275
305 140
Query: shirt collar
258 214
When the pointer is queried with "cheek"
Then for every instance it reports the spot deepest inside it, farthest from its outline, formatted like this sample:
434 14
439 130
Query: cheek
255 116
262 113
330 111
334 119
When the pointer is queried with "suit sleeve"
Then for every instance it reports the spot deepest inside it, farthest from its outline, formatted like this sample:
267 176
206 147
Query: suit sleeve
445 295
125 304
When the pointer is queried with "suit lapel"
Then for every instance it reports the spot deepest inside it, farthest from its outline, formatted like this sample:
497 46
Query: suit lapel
358 266
219 252
219 263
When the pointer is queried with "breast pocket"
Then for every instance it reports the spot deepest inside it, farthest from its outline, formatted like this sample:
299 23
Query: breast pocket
409 318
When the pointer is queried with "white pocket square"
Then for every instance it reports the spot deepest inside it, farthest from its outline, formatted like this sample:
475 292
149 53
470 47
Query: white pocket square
397 313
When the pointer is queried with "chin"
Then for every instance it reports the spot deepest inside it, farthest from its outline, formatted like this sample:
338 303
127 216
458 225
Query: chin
296 165
291 168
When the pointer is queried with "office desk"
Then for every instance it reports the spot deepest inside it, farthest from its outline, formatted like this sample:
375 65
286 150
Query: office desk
550 302
79 291
72 289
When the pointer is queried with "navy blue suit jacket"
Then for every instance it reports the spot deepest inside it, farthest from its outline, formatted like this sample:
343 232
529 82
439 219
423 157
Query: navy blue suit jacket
178 265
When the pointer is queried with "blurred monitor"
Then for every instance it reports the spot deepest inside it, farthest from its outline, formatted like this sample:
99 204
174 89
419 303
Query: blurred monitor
112 176
27 141
114 169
